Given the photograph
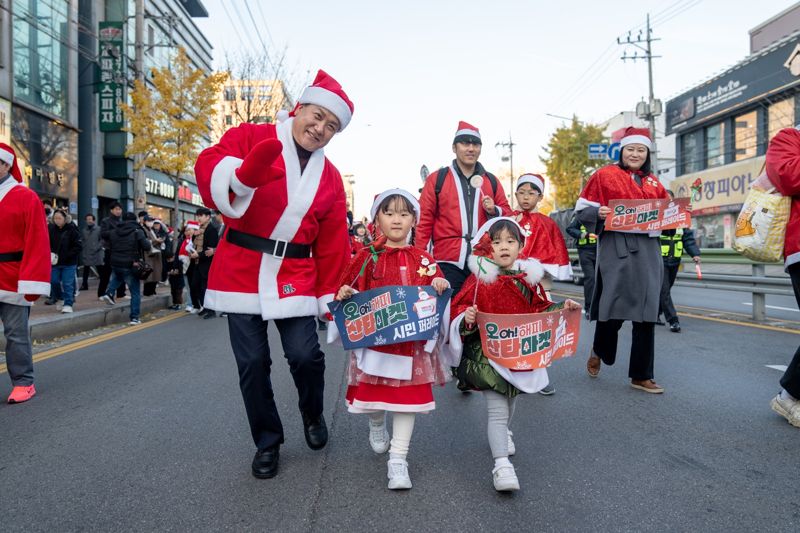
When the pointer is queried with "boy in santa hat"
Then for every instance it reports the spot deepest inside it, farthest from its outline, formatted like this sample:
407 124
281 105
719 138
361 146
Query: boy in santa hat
279 195
24 270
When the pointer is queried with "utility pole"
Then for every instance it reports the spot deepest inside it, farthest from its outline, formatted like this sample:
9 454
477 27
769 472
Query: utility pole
510 159
139 184
652 108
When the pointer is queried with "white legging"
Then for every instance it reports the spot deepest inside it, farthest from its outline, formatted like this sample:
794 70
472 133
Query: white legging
500 409
402 429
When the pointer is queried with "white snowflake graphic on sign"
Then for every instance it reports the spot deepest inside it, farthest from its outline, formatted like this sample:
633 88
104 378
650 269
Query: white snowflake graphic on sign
550 320
401 293
379 340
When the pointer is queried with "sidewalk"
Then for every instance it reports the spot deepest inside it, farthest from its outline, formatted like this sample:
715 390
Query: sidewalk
47 322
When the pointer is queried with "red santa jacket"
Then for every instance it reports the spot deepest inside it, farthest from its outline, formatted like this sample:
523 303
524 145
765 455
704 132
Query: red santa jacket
395 266
545 243
613 183
783 170
24 230
444 224
296 208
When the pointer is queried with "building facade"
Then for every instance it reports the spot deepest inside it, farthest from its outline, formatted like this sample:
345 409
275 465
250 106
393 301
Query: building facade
253 101
722 128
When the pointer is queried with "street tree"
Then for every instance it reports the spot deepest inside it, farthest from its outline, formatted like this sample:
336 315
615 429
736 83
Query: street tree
171 121
567 160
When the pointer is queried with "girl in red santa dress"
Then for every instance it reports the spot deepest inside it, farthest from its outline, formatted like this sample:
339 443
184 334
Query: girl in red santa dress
544 241
396 377
500 283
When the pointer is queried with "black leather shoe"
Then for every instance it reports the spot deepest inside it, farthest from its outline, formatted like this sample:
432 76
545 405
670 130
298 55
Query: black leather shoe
50 301
208 313
265 463
316 431
675 327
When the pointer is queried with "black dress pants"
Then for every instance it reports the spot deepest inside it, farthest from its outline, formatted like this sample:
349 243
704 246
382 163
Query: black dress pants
250 345
665 304
791 378
587 257
642 346
455 275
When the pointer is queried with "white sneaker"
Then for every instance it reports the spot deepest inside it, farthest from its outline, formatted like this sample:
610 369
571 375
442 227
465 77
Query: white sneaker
397 472
66 309
378 436
108 299
505 478
188 308
194 311
788 409
135 322
511 448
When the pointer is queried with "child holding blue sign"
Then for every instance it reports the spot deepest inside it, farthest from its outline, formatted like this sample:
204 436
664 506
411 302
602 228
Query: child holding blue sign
501 283
393 377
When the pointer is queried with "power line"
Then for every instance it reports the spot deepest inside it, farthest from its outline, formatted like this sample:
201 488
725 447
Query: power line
258 33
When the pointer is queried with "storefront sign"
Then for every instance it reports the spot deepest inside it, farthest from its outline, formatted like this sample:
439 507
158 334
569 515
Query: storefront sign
389 315
648 215
112 76
186 194
5 121
530 341
747 81
717 187
160 188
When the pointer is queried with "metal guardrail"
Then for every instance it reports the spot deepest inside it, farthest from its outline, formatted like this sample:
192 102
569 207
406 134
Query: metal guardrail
757 283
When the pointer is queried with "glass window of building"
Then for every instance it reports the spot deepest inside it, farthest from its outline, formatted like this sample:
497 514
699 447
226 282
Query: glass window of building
230 94
715 145
41 48
228 120
745 133
692 152
247 92
780 115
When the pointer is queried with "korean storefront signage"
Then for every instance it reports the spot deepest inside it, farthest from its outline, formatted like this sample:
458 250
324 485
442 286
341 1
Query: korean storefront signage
112 76
186 194
717 187
5 121
160 188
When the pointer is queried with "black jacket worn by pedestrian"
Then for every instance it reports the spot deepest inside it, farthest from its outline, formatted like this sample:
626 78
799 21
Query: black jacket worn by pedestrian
127 242
689 246
66 242
107 225
574 231
210 240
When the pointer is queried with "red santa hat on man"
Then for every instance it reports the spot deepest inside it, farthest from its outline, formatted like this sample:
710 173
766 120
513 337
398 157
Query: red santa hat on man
467 133
536 181
9 157
636 136
325 92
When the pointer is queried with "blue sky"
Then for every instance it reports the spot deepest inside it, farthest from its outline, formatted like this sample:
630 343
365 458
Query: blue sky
415 68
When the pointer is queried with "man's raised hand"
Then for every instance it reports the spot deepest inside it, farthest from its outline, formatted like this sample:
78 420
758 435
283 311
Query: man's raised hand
257 168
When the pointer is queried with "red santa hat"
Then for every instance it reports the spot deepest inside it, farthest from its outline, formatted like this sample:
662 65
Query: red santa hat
192 224
9 157
391 192
325 92
636 136
536 181
467 133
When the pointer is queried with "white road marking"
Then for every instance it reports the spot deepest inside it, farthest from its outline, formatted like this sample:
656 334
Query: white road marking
775 307
781 368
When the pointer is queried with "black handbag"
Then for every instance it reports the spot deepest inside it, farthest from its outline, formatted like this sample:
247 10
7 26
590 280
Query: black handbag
141 269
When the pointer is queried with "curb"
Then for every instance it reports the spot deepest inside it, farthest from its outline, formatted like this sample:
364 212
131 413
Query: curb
51 327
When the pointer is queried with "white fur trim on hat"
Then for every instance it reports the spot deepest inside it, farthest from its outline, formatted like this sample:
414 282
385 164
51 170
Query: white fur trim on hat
385 194
474 133
6 156
487 270
492 221
330 101
636 139
534 180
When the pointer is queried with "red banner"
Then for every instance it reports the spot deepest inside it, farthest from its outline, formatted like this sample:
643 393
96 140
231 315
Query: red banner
527 342
648 215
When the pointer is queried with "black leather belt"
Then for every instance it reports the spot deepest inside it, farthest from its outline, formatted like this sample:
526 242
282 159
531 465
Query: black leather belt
9 257
268 246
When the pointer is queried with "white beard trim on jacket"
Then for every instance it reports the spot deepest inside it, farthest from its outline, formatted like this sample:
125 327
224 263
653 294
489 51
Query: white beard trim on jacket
487 271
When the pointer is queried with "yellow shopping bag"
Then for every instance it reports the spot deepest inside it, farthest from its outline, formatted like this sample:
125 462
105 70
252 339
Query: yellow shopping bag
761 225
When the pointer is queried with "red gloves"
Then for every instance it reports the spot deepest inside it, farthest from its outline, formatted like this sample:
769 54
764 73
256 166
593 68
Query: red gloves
32 297
257 168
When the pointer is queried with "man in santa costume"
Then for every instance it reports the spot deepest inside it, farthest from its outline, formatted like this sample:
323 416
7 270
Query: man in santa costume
24 270
285 245
455 202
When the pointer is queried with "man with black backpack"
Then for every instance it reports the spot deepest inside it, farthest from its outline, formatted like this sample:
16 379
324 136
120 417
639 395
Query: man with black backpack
455 202
127 245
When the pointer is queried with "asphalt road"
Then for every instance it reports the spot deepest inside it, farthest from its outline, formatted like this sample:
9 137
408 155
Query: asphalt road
147 432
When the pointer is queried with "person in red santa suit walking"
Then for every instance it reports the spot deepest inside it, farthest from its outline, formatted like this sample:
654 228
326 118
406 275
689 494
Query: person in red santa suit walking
629 265
544 241
455 201
285 245
24 270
